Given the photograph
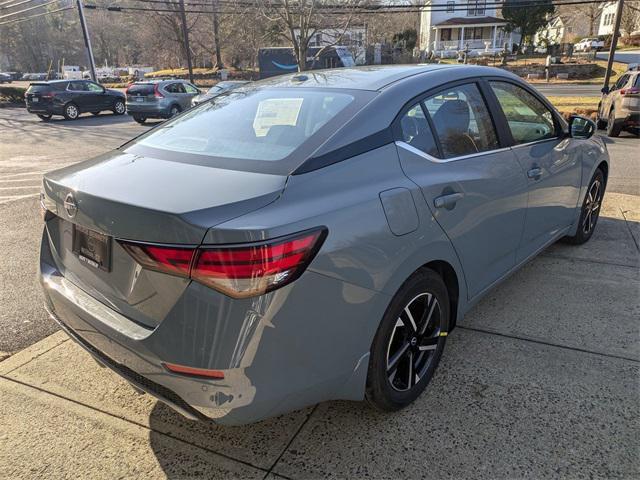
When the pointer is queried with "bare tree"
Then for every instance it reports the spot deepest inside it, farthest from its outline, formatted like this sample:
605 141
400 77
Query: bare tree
298 21
630 21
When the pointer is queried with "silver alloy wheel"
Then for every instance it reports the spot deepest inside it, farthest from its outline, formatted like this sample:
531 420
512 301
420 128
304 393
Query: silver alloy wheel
591 206
174 111
72 111
119 107
413 341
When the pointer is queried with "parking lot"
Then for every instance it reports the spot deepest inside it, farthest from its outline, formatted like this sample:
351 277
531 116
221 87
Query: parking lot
539 381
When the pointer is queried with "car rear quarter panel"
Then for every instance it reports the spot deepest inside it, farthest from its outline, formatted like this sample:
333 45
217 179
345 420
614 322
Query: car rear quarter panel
361 247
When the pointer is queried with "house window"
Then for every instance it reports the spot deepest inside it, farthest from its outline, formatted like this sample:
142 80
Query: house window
477 33
450 7
475 8
445 34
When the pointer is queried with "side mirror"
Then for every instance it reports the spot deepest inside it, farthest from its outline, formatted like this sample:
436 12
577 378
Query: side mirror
605 90
581 127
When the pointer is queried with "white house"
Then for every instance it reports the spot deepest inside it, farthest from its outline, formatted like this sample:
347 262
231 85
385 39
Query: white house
463 24
630 19
562 29
607 18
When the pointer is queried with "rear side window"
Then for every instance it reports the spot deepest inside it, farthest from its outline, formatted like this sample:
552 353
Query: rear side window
462 121
260 124
78 86
529 120
140 89
416 132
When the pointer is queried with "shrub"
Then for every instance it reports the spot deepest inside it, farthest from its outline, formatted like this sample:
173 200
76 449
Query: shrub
12 94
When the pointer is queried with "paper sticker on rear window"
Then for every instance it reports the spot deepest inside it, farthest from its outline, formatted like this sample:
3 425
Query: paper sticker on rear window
276 111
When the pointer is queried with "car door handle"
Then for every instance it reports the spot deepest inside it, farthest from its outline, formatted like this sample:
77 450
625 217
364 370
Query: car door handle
447 201
534 173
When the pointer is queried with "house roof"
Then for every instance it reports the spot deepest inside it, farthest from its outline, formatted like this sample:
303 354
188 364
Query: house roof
471 21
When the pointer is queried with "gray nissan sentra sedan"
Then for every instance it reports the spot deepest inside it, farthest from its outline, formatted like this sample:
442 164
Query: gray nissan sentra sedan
313 236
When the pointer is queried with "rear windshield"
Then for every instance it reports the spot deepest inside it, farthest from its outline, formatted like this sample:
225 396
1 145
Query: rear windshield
38 88
140 89
253 124
637 82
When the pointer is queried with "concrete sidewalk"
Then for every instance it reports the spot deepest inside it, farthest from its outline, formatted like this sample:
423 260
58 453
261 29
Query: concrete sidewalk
540 381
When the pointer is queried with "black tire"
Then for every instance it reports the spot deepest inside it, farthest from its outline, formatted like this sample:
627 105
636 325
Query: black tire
174 110
403 357
71 111
590 211
139 119
600 124
44 118
119 108
613 130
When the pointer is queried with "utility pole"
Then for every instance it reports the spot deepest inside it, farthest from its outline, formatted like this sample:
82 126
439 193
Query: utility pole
87 41
185 34
614 44
216 36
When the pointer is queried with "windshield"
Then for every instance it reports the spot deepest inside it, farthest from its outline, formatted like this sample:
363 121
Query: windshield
251 124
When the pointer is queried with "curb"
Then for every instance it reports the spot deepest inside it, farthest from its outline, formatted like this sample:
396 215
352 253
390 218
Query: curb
23 357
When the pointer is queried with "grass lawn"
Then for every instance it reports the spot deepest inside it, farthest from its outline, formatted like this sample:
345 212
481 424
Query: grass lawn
586 106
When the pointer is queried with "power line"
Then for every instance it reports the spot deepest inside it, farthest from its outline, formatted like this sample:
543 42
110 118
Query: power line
15 4
49 12
28 9
386 10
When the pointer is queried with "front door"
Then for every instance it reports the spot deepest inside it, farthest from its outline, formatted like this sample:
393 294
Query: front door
99 97
477 191
551 162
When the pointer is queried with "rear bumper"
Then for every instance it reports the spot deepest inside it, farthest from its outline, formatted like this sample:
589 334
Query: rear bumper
300 345
149 111
44 109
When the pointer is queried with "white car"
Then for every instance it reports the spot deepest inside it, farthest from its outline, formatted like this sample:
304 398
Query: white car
588 44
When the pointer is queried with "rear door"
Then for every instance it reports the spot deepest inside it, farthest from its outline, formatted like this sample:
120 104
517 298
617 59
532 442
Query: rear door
550 159
190 92
476 189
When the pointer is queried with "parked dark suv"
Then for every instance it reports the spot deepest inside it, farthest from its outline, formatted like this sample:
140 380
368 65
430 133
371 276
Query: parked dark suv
70 98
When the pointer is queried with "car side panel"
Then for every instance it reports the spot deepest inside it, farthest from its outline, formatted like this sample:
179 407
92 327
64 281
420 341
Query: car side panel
360 248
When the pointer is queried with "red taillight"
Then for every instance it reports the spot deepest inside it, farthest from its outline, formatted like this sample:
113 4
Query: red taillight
242 272
195 372
237 271
173 260
156 92
629 91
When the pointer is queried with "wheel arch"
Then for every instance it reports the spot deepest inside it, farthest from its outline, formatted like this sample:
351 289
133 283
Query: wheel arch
450 278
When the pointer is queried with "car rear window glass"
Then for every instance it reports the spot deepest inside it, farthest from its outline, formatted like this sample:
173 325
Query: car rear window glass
140 89
252 124
462 121
637 82
38 88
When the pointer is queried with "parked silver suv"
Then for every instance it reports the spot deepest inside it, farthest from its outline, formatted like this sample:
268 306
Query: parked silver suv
159 98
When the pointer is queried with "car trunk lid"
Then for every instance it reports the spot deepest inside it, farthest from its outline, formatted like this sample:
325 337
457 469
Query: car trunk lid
123 196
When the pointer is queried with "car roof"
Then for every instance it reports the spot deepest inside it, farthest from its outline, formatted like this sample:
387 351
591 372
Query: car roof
373 77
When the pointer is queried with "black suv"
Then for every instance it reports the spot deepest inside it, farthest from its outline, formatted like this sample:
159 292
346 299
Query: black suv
70 98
